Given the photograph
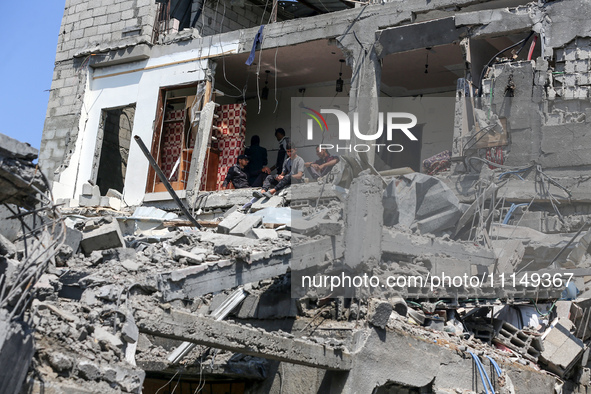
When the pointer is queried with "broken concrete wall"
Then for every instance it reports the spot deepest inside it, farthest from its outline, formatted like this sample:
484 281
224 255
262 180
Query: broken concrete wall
224 16
16 351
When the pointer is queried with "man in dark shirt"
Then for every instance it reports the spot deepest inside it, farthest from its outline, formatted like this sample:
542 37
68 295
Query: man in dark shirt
283 141
323 165
258 159
237 175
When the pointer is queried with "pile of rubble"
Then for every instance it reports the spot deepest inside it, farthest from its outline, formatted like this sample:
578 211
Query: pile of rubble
135 297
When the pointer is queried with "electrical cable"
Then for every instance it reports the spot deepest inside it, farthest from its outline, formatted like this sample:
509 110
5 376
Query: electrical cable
483 374
511 210
516 172
490 62
498 369
496 164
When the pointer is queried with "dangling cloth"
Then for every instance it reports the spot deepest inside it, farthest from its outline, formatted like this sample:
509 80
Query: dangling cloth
258 39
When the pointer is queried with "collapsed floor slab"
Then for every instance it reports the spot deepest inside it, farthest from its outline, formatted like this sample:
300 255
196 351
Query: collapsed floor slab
242 339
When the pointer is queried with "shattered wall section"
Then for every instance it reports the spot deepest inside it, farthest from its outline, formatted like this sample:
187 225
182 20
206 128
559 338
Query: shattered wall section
571 76
224 16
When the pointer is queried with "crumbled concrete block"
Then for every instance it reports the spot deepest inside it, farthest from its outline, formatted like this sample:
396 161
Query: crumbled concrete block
88 370
244 228
10 147
561 348
104 237
114 193
379 312
111 202
60 362
153 213
73 238
317 226
262 203
180 239
90 190
129 331
178 253
131 265
527 345
67 202
230 222
562 309
89 201
200 250
399 305
264 233
249 307
584 376
100 334
509 254
119 254
7 248
231 211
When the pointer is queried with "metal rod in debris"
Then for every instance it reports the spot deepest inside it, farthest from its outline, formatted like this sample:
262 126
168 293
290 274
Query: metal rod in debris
567 245
163 179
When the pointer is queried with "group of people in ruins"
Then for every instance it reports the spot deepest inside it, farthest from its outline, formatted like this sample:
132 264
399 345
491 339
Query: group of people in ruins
252 170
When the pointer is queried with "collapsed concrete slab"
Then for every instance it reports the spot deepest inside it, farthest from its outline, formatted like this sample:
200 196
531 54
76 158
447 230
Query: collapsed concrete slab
241 339
424 202
220 275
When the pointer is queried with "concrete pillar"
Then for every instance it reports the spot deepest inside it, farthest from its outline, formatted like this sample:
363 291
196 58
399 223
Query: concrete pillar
365 85
364 222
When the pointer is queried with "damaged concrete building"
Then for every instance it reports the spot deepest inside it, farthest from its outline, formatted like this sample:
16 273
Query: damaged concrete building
163 280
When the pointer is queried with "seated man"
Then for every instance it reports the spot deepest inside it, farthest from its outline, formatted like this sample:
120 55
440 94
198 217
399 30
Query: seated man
323 165
237 175
293 170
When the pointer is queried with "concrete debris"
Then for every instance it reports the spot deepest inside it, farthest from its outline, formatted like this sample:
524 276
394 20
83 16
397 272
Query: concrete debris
230 221
422 202
529 346
244 228
19 178
379 312
265 233
561 348
487 265
143 212
101 237
262 203
7 248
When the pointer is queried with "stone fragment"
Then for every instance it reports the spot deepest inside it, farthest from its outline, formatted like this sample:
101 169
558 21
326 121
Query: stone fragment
264 233
379 312
100 334
106 236
244 228
230 221
561 348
